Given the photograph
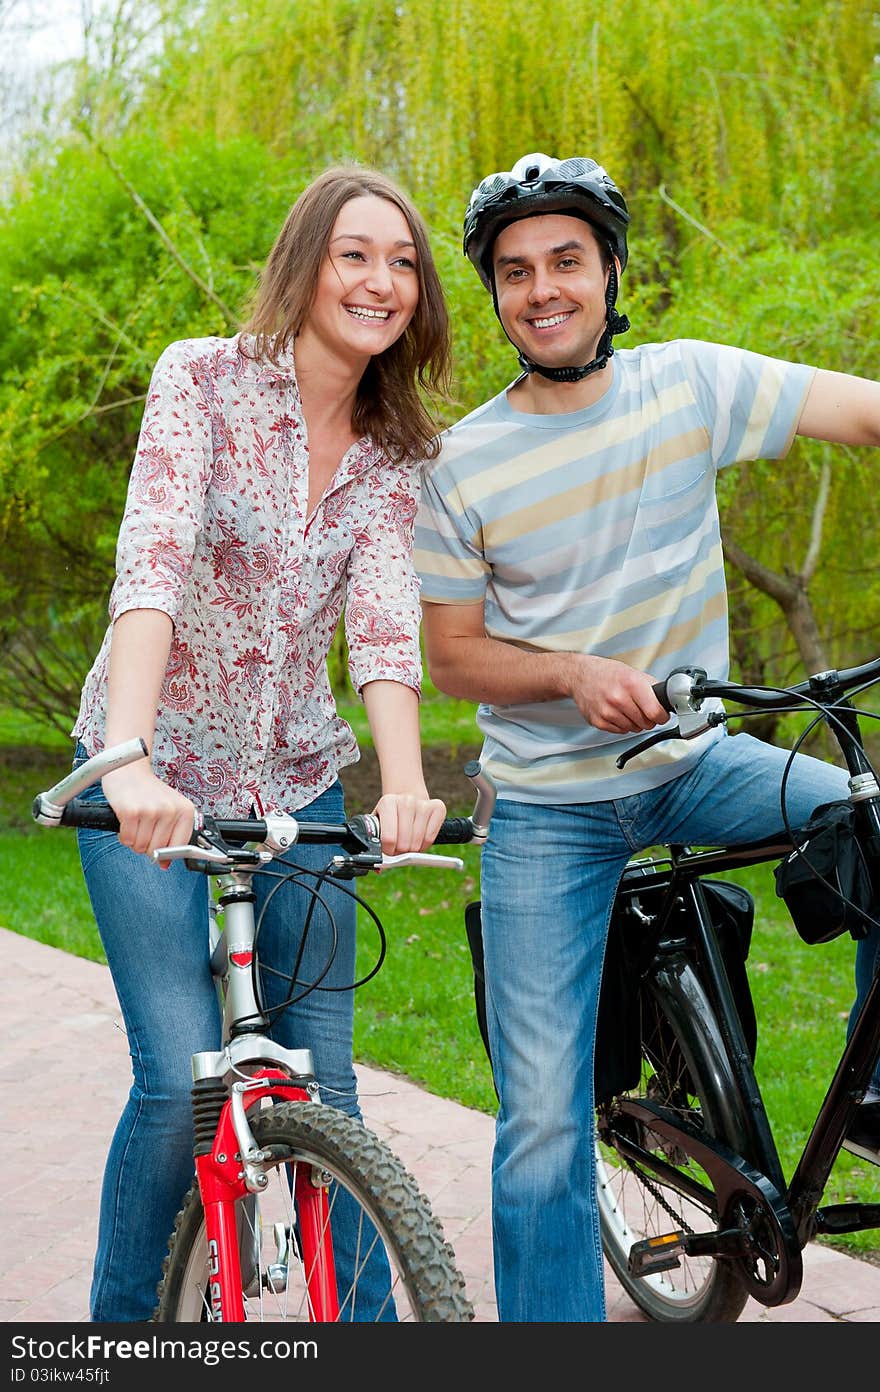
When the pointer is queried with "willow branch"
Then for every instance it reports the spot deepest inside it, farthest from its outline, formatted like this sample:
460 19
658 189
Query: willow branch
816 523
154 222
677 208
770 582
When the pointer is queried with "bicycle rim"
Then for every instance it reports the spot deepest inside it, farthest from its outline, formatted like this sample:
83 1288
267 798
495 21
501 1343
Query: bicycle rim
338 1196
684 1069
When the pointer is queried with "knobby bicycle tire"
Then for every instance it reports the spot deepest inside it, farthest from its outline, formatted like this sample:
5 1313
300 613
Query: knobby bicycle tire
685 1067
388 1219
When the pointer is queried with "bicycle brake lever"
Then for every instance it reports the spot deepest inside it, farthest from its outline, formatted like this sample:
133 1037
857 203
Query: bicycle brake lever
347 867
644 744
420 858
187 853
690 731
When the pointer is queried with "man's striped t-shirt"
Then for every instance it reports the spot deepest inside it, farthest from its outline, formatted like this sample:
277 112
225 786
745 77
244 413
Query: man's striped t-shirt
597 532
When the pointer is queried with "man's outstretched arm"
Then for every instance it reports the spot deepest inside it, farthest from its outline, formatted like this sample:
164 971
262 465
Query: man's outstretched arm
842 409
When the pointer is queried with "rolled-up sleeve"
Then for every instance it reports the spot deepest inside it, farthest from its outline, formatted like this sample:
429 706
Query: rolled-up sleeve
383 610
164 508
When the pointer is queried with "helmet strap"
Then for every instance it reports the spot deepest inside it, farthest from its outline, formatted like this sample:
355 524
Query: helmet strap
614 324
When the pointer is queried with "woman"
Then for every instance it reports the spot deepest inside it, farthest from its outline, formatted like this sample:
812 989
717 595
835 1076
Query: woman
275 484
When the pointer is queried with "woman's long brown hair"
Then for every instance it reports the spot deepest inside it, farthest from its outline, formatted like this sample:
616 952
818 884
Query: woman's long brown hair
388 405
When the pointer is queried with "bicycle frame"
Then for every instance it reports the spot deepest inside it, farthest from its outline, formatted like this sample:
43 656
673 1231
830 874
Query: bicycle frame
227 1158
794 1208
847 1086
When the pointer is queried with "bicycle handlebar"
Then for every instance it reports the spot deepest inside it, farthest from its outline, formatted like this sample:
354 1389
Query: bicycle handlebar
59 806
684 691
693 686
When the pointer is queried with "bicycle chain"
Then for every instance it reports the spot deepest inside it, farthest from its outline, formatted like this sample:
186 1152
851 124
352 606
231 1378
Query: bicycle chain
771 1255
656 1194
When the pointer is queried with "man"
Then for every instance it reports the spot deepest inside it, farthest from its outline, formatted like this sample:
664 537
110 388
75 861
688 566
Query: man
570 556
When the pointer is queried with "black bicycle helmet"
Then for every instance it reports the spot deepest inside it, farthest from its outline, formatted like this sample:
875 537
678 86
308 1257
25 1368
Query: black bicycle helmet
539 184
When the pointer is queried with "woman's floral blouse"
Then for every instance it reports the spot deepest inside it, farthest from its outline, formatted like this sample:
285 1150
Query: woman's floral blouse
215 534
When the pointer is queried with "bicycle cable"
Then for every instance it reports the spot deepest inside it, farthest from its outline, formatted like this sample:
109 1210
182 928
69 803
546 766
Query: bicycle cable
297 875
824 715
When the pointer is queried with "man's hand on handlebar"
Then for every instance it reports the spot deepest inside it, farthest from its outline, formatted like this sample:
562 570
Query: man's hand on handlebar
615 697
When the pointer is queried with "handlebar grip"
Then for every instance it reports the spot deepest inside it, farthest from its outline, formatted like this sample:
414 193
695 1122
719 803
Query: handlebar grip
455 831
238 832
659 690
94 815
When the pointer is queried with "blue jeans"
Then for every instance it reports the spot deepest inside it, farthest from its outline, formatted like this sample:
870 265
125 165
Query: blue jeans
154 928
549 876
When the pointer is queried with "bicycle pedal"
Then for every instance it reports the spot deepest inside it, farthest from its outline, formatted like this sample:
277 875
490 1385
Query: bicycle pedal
656 1254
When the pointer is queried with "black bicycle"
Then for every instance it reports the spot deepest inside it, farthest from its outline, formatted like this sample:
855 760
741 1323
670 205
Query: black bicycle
696 1213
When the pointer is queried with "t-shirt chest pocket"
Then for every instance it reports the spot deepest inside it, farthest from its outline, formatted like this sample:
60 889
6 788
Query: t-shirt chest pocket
672 510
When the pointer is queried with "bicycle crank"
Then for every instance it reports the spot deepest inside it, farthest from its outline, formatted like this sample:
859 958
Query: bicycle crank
755 1229
664 1252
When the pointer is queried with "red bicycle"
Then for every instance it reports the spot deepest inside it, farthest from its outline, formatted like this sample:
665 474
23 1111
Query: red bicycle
297 1212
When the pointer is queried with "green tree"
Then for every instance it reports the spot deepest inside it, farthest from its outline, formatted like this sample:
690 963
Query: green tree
746 141
89 295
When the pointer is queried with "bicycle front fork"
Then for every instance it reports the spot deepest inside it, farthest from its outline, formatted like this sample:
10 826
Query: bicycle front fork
230 1167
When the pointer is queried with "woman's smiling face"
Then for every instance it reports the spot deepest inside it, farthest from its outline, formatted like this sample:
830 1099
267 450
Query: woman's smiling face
368 286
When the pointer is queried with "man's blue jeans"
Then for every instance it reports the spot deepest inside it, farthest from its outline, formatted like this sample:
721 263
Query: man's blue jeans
549 876
154 928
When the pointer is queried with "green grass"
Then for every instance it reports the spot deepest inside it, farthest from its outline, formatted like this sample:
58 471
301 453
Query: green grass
416 1017
18 728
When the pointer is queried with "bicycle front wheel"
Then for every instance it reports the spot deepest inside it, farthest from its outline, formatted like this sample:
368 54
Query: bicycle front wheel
338 1200
684 1068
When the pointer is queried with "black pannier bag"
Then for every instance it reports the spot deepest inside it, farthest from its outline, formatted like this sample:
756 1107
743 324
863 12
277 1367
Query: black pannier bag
627 1015
473 928
825 882
619 1026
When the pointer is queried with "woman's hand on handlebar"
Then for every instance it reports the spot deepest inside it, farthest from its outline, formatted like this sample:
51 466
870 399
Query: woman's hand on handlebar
151 814
408 821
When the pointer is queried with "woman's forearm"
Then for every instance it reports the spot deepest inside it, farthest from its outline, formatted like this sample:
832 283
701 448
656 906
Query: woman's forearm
151 814
393 715
139 649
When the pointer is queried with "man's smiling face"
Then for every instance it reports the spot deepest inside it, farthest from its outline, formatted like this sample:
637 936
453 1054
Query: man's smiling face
550 280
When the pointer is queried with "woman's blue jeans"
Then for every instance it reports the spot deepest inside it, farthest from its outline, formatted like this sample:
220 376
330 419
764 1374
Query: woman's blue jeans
549 876
154 928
